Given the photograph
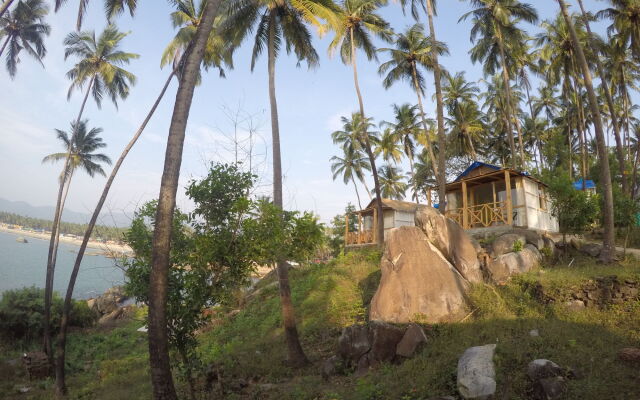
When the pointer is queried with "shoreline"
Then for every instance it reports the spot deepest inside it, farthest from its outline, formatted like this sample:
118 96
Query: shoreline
104 249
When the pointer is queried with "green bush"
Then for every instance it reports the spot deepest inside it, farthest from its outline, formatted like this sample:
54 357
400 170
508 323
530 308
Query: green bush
517 246
21 314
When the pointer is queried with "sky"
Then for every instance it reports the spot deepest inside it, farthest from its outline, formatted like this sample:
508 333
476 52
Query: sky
310 103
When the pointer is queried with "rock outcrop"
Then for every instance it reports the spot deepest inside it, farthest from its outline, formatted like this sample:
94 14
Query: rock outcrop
417 281
452 241
476 373
505 265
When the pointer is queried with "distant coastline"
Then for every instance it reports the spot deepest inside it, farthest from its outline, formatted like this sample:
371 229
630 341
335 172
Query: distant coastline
104 249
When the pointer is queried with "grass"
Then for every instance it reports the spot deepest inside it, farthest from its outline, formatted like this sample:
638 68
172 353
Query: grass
250 345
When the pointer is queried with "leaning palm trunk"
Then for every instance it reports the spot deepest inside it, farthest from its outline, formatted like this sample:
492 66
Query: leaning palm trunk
4 45
442 137
53 241
4 7
295 353
161 377
610 103
61 388
355 186
507 88
423 118
608 250
367 146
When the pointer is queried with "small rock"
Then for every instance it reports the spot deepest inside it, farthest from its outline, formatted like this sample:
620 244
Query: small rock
330 367
112 316
24 389
591 249
413 337
575 305
267 386
384 340
629 354
534 333
476 373
549 388
143 329
354 343
540 369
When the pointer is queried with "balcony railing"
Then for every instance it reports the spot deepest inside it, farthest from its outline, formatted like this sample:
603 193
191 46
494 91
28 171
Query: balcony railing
363 237
481 215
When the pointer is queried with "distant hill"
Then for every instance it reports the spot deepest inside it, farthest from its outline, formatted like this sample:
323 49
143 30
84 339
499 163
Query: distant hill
46 212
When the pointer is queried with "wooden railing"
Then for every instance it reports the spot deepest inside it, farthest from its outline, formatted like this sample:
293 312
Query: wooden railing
363 237
481 215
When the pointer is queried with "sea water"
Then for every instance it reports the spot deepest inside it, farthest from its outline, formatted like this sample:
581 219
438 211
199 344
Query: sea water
24 264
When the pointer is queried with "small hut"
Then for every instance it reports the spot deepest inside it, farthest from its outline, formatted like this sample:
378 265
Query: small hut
486 195
396 213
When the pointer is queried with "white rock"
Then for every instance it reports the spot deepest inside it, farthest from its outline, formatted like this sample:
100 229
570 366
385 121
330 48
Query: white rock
143 329
476 373
534 333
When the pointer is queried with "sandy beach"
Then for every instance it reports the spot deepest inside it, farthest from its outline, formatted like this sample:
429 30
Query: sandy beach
108 250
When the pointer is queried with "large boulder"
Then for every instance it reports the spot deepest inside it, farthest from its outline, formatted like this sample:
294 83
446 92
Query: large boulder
476 373
513 263
412 339
110 301
417 281
531 237
505 244
365 346
452 241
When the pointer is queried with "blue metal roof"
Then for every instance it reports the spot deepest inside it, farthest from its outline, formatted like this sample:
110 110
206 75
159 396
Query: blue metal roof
589 184
476 164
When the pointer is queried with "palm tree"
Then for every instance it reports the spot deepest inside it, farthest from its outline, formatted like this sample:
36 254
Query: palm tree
276 22
5 6
159 361
494 25
389 147
608 251
625 17
547 102
391 182
466 126
112 9
99 69
406 128
412 50
350 166
607 92
356 19
186 18
24 29
458 90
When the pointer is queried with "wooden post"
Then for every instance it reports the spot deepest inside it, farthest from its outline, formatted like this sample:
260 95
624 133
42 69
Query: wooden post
429 197
346 229
507 182
465 216
495 198
360 229
375 225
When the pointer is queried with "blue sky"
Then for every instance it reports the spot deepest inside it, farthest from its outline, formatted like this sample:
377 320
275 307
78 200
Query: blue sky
310 105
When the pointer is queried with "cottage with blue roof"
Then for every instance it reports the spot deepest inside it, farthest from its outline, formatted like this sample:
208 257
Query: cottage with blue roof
486 195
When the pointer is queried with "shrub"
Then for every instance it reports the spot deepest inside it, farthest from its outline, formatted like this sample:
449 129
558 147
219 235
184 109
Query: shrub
21 314
517 246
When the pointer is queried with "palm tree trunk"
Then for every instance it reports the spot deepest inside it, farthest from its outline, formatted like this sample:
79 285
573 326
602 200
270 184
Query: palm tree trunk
413 179
4 45
610 104
357 194
535 128
53 241
367 146
581 126
507 88
608 251
432 156
4 7
366 188
295 353
442 137
161 377
61 388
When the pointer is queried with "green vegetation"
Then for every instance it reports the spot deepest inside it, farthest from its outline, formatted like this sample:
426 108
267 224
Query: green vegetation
67 228
248 344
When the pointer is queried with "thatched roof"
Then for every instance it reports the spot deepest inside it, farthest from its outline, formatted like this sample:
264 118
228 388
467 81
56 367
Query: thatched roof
397 205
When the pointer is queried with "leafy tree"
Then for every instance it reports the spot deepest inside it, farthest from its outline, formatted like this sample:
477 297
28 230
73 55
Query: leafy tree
24 29
338 228
392 182
625 20
575 209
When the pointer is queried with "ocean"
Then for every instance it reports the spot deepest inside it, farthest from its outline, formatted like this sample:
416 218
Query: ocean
24 264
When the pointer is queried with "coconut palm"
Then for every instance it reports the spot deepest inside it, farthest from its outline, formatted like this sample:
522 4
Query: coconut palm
413 50
392 183
466 126
350 166
625 20
112 8
546 102
24 29
496 35
458 90
5 6
389 146
99 69
608 251
186 19
355 21
278 24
